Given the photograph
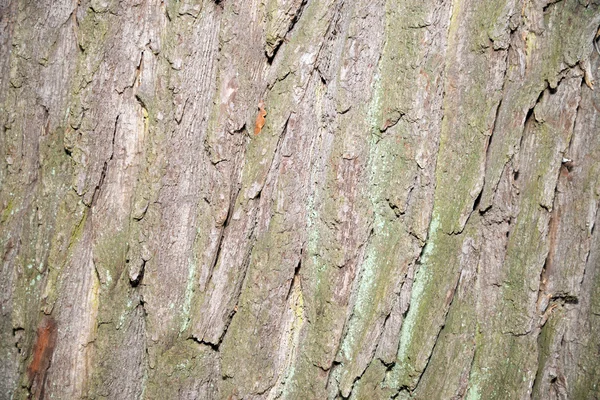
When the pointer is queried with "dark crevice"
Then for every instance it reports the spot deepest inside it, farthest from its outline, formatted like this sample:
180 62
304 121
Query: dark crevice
473 358
138 279
516 174
388 366
177 120
436 342
489 144
18 334
476 203
356 281
274 52
555 212
245 267
568 163
417 262
498 108
411 190
331 30
233 199
212 268
565 298
405 390
282 78
595 40
100 183
371 359
488 150
519 149
215 260
473 209
231 313
274 164
144 333
296 18
239 131
530 117
294 278
508 231
323 80
105 167
589 252
383 326
395 209
222 234
550 3
138 70
543 278
142 304
421 254
327 369
290 28
97 272
143 105
214 347
391 122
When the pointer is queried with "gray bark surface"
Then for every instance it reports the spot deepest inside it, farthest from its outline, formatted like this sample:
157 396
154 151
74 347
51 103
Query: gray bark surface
299 199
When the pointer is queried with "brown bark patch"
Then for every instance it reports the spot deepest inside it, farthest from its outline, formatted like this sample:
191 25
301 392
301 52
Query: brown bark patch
42 355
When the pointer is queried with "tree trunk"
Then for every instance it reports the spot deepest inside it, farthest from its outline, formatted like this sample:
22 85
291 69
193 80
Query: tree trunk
299 199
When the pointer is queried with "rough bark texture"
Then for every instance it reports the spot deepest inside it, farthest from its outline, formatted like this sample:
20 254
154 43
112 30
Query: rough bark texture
299 199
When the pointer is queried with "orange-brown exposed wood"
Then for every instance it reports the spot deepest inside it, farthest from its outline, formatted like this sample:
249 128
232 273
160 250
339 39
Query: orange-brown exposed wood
42 355
260 118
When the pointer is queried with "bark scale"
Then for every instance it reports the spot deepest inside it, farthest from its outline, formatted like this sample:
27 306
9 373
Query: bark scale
295 199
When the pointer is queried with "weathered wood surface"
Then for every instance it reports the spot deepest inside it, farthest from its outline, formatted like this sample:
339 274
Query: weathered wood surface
299 199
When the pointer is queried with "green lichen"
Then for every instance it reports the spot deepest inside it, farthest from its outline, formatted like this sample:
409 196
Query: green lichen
8 211
189 294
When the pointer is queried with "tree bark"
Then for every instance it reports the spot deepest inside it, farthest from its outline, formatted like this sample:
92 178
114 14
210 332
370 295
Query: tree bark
299 199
